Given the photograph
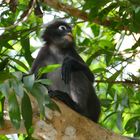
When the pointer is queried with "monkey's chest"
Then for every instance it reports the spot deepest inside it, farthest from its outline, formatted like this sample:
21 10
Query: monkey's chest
57 82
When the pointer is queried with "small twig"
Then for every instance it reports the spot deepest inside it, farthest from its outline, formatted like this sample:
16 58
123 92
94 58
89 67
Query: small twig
119 82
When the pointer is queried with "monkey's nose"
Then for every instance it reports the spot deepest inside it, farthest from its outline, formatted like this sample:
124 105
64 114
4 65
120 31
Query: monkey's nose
69 36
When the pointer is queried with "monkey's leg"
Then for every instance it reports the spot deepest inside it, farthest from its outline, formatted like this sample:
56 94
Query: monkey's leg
65 98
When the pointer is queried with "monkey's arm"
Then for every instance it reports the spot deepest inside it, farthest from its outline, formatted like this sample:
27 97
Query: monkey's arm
71 64
39 61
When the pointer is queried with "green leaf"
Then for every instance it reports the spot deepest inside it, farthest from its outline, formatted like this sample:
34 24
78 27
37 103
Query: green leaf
38 91
93 13
137 2
20 63
119 121
88 4
106 44
2 111
17 86
5 75
95 29
4 88
108 57
48 68
136 19
125 101
99 70
27 113
3 137
94 55
14 111
6 44
44 81
136 45
106 102
17 75
107 9
3 64
114 76
25 43
29 81
50 104
132 124
109 115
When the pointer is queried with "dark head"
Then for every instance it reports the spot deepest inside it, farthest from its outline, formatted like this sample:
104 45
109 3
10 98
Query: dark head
58 33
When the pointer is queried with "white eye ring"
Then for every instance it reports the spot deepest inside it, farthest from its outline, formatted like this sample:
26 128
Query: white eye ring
62 28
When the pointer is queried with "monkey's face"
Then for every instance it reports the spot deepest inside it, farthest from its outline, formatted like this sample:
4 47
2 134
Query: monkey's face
58 33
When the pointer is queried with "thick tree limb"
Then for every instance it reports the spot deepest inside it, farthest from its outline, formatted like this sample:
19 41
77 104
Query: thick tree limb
68 125
80 14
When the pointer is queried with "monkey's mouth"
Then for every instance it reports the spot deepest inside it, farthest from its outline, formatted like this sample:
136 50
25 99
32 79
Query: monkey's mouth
69 37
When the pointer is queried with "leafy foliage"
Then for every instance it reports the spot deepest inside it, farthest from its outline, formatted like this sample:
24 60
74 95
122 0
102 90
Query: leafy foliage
112 62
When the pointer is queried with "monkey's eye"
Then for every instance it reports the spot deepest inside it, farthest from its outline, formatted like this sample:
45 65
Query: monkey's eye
62 28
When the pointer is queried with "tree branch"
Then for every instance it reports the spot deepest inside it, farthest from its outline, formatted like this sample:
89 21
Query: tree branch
119 82
80 14
65 126
23 17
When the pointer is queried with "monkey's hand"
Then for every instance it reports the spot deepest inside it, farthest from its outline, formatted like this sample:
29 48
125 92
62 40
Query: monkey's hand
67 67
70 64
